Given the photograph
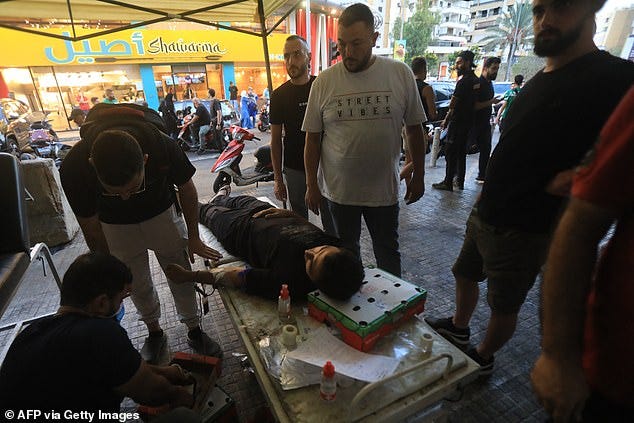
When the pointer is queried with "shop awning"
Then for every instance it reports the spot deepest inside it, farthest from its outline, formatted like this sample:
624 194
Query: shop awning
14 14
136 13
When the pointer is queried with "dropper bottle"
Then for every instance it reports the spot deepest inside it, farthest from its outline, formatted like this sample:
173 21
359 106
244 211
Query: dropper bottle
284 305
328 387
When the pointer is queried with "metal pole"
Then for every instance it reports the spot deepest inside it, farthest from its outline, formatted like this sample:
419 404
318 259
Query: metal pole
308 25
265 45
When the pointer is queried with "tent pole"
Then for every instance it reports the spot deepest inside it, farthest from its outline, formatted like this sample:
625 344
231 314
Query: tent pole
265 44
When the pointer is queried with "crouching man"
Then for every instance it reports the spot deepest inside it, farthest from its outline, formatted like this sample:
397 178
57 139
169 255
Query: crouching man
81 359
280 247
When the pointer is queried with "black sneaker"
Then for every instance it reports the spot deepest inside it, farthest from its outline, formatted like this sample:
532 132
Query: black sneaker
154 350
442 186
486 366
202 344
479 180
446 328
458 185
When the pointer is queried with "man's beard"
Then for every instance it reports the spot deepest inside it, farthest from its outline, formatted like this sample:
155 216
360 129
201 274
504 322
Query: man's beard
492 76
297 72
460 71
357 66
557 45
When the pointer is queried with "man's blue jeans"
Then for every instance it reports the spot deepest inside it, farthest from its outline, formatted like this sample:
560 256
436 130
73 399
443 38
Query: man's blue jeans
382 223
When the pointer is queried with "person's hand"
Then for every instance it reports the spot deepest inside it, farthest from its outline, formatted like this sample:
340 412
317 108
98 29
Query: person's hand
496 100
178 274
415 190
274 212
280 190
561 387
313 199
177 375
443 124
196 246
406 172
561 184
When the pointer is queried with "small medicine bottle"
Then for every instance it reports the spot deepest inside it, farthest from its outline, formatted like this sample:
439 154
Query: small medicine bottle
284 305
328 387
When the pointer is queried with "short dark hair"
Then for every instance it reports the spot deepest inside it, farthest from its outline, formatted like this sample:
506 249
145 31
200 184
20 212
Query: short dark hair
341 274
519 79
92 275
117 157
357 12
302 40
419 64
467 55
490 61
212 92
597 5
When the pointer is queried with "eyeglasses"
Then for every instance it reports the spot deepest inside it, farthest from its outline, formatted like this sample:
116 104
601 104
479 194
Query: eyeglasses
139 191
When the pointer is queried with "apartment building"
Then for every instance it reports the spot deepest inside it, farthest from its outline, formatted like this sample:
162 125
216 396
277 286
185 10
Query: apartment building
483 15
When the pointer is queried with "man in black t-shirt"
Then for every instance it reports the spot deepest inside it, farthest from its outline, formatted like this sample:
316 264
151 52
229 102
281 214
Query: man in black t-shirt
281 247
201 122
215 112
460 120
288 106
548 131
233 96
119 180
81 359
481 131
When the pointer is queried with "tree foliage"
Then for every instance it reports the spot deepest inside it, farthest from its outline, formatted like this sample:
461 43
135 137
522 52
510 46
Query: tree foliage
417 31
514 28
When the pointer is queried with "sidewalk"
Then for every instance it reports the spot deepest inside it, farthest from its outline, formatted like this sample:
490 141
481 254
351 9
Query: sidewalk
431 234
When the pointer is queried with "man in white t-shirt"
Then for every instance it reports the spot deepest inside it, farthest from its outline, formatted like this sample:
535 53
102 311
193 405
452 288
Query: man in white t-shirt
360 106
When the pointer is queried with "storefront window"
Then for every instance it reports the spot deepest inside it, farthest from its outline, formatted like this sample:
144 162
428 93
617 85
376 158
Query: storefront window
188 81
248 75
66 88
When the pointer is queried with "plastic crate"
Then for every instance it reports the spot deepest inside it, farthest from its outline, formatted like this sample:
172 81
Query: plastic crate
383 302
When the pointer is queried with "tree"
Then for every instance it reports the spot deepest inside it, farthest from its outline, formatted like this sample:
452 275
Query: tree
417 31
512 29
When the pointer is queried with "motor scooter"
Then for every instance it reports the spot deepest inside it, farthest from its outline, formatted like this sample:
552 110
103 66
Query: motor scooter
264 124
215 140
227 165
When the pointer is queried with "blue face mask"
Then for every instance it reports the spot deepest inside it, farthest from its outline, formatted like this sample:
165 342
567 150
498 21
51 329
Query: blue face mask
117 315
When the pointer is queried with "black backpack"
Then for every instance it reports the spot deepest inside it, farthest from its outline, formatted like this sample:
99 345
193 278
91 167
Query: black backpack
105 116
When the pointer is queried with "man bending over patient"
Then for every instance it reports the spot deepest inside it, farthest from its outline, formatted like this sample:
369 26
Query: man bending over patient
279 245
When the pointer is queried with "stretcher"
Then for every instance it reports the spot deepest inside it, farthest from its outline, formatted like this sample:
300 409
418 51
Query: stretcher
420 381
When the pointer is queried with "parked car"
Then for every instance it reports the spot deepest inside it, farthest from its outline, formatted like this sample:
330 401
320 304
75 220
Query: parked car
443 90
229 114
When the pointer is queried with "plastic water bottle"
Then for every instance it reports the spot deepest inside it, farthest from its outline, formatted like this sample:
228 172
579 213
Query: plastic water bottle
328 387
284 305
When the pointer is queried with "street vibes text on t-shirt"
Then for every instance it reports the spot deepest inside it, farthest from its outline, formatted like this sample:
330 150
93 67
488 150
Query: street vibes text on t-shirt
363 105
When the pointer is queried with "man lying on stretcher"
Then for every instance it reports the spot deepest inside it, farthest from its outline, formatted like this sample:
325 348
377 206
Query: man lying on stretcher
279 246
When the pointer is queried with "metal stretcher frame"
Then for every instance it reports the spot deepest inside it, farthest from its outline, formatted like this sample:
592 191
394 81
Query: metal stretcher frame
443 384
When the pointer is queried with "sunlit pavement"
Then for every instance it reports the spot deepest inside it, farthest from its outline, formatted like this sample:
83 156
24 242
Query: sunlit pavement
431 233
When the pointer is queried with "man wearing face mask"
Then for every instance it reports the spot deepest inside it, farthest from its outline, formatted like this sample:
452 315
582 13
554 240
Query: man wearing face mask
120 181
548 131
81 359
360 105
459 121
